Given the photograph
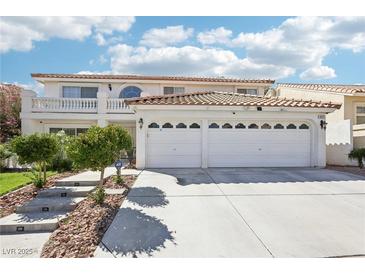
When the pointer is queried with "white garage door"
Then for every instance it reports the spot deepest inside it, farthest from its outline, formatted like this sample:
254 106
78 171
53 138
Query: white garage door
258 144
174 144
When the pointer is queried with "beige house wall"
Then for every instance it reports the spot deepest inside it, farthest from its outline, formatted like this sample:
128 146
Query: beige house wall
339 143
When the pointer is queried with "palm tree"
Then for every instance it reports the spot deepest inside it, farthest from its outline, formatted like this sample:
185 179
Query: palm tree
358 154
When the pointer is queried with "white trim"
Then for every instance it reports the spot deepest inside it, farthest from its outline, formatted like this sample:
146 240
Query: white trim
355 105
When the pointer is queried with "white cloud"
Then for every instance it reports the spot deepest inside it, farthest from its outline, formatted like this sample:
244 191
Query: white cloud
35 86
99 39
19 33
170 35
219 35
189 60
321 72
303 43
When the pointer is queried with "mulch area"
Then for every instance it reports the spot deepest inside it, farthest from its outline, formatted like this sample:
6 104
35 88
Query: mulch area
128 181
10 201
80 233
350 169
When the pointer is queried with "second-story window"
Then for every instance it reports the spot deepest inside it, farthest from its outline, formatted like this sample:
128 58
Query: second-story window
173 90
130 92
250 91
79 92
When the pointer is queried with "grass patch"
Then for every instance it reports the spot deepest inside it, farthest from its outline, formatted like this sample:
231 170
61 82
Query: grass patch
13 180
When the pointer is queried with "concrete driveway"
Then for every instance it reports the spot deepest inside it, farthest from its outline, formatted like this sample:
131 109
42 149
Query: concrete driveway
240 212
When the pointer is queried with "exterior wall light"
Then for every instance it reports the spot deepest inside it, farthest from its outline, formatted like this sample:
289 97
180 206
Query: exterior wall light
140 122
110 87
323 124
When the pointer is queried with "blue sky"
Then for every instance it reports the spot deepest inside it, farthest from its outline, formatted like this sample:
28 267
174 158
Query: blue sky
288 49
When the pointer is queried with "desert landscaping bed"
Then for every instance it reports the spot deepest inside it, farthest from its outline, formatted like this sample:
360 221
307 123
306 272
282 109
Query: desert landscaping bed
10 201
81 232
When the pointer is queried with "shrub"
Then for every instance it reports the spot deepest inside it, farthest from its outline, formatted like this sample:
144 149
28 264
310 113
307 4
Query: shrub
99 148
35 177
36 149
358 154
119 180
61 162
98 195
5 153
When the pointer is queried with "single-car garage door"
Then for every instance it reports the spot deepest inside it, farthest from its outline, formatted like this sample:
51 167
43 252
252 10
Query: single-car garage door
258 144
174 144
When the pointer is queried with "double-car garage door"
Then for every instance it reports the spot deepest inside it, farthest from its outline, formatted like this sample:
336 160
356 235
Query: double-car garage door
228 144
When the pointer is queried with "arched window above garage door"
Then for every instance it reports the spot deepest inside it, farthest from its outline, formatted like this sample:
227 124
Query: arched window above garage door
227 125
253 126
303 126
180 125
153 125
194 125
213 125
167 125
279 126
240 126
266 126
291 126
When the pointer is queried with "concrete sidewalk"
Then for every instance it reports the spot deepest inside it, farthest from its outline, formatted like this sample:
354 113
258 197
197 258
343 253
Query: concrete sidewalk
248 212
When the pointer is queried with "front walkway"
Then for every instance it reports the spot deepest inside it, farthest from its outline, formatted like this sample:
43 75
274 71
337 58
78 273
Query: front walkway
40 216
242 212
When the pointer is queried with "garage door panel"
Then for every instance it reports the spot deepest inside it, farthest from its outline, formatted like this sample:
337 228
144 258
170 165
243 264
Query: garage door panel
249 149
174 149
178 161
173 137
258 136
259 147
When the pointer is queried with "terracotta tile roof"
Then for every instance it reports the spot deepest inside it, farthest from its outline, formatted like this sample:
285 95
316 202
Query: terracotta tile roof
215 98
161 78
346 89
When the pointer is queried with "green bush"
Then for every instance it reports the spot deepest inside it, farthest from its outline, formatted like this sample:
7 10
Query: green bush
35 177
61 162
5 153
359 155
98 195
119 180
99 148
36 149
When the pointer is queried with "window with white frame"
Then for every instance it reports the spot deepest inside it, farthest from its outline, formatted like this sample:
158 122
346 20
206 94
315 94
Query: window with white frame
79 92
173 90
250 91
360 114
68 131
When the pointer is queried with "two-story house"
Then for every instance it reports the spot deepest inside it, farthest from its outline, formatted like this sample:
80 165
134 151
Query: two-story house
184 121
346 126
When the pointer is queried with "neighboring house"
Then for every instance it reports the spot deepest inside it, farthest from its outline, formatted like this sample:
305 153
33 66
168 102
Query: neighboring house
346 126
185 121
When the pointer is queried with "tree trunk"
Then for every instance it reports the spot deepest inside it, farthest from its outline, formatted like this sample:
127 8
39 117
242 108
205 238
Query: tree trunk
44 172
101 178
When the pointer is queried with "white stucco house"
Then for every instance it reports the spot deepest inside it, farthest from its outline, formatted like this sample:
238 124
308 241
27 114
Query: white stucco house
346 126
185 121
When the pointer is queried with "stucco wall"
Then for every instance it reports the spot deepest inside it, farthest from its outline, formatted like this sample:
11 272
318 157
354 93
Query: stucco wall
54 89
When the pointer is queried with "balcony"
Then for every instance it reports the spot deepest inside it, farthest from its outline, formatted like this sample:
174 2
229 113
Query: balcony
77 105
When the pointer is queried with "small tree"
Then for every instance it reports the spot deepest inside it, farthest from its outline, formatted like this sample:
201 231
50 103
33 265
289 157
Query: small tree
99 148
36 149
5 153
358 154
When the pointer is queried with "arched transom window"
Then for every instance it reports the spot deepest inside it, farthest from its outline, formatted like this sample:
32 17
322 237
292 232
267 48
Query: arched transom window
130 92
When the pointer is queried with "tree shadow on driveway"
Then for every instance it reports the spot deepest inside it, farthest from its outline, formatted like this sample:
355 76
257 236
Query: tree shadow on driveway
134 233
148 197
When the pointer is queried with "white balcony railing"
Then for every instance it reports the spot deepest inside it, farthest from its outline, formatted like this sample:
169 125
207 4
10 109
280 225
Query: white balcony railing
116 105
77 105
46 104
